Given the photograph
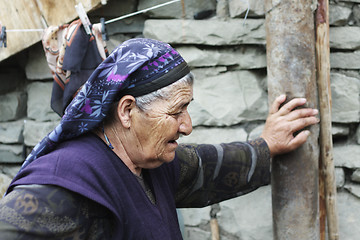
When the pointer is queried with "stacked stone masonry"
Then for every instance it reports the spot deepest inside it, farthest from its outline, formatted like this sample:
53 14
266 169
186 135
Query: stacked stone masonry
227 54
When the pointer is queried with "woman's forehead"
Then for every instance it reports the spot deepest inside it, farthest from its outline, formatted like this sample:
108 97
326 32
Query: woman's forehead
181 96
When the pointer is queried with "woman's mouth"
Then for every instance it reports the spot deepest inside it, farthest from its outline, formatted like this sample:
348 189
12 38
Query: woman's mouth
173 143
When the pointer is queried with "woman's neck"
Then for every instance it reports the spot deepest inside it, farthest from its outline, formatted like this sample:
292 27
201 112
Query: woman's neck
111 137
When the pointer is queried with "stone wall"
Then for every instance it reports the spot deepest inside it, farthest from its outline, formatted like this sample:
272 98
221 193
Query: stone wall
227 55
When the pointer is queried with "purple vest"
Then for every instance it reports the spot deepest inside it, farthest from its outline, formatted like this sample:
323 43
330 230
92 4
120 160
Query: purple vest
87 166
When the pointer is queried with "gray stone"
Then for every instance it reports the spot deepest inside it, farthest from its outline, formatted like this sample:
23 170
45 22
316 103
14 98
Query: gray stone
338 15
113 9
196 216
192 219
174 10
202 135
12 106
37 67
4 183
338 130
345 60
349 218
192 233
350 1
115 41
11 79
130 25
222 9
11 153
34 131
9 169
256 132
11 132
239 8
14 148
203 73
241 57
248 216
39 95
339 177
353 188
207 32
356 14
344 37
345 94
347 72
355 176
8 155
347 156
228 99
358 134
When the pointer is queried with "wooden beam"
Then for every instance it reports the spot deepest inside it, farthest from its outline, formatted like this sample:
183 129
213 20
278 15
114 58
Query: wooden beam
20 14
326 163
59 12
290 46
35 14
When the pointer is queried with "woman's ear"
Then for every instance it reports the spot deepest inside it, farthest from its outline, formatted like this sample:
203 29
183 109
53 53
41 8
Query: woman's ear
124 110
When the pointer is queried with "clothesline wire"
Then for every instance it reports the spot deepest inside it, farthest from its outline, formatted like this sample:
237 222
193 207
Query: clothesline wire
25 30
106 22
141 11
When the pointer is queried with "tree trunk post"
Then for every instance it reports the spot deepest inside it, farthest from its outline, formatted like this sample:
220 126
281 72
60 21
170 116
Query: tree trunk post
291 64
326 163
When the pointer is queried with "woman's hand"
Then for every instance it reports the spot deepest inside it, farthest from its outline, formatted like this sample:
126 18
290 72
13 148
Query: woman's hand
281 124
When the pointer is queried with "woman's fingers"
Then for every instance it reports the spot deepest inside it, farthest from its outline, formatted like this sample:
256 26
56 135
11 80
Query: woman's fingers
291 105
301 123
301 113
299 140
283 122
276 104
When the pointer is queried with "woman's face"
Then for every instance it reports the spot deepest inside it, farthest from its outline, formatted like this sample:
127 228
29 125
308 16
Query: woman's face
155 131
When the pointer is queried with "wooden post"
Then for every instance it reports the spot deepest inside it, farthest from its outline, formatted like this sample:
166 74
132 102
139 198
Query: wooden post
326 163
322 204
290 44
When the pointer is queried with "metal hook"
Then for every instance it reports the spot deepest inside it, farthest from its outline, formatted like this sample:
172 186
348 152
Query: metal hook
3 37
103 30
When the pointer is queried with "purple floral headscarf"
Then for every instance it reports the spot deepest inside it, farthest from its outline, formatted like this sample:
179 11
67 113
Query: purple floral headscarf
136 67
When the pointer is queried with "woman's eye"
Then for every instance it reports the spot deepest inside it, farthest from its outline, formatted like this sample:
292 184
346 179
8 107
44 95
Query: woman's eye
176 114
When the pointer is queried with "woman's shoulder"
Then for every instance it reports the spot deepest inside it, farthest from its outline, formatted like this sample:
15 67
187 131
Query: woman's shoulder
71 160
48 211
88 142
83 149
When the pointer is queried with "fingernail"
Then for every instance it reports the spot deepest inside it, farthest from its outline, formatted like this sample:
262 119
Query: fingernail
282 96
315 111
307 132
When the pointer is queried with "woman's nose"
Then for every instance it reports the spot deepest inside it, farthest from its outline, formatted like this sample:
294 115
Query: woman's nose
185 124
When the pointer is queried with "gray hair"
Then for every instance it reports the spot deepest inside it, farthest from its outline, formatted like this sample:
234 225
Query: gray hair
144 102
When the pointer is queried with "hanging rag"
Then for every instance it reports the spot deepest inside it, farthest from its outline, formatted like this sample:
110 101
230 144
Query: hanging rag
72 56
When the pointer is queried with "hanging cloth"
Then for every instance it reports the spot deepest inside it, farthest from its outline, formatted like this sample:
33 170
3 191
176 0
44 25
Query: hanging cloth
72 56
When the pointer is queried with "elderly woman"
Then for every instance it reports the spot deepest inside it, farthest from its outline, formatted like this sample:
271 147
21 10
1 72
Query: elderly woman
112 169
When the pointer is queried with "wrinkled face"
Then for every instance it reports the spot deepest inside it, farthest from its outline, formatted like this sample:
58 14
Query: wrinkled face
155 131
